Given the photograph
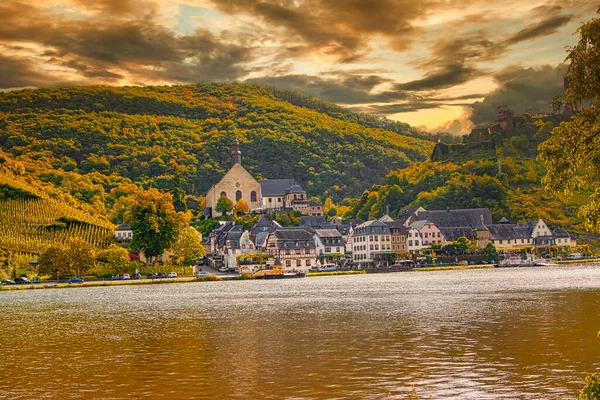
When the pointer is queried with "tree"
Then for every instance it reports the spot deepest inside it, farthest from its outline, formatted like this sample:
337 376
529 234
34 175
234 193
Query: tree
241 207
224 205
115 257
461 245
79 256
571 154
490 252
591 390
53 261
154 222
556 104
188 247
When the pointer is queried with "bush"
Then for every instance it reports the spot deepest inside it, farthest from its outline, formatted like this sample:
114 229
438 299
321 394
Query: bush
591 390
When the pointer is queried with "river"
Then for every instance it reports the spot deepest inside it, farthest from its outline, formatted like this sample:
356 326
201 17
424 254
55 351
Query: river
528 333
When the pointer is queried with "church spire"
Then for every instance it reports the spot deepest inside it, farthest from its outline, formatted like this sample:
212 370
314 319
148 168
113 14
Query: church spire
236 154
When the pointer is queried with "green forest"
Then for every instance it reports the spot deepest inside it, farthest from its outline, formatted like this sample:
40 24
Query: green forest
90 140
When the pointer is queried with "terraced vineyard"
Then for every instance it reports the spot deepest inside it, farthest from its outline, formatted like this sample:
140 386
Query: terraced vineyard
31 220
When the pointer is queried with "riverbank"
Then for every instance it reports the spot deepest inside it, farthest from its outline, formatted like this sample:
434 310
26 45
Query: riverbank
455 267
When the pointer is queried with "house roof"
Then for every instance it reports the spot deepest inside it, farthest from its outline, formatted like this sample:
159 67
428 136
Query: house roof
372 223
386 218
328 233
451 234
560 233
295 189
292 234
509 231
459 217
504 220
297 238
275 187
123 227
263 225
313 221
260 239
418 225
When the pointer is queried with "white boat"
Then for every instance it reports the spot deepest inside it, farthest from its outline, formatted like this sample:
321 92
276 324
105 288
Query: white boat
514 260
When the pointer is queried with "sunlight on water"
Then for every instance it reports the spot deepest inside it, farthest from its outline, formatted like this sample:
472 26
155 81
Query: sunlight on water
500 333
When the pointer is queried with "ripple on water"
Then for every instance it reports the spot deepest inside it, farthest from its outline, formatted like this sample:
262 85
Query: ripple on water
493 334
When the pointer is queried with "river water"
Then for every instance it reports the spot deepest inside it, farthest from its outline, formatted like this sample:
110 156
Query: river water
528 333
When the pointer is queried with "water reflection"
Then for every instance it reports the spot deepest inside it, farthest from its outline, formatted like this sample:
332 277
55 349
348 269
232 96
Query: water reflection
506 333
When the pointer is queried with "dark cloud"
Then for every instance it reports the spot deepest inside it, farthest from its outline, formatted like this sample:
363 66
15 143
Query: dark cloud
520 88
545 27
107 47
450 75
343 88
389 109
339 30
16 73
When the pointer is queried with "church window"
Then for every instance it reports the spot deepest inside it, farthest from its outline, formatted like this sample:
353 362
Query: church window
253 196
223 194
238 195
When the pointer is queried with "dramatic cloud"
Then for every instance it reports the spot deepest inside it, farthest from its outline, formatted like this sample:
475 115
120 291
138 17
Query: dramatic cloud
405 59
521 88
338 30
111 48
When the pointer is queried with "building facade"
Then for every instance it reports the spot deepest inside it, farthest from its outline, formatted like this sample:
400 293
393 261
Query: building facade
295 247
369 240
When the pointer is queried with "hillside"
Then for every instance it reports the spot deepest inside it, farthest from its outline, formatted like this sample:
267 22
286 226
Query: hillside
31 219
495 167
91 140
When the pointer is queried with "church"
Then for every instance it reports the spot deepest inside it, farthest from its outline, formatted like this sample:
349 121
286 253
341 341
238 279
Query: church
275 194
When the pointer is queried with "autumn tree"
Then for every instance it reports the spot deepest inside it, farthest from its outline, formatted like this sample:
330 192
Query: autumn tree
154 222
490 251
79 256
224 205
53 261
571 154
116 258
556 104
188 247
241 207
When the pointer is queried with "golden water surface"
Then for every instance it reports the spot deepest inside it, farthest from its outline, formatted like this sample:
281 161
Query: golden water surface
514 333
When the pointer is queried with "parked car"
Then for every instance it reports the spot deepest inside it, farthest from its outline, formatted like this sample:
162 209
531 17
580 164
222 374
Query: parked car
172 275
152 276
328 267
7 282
125 276
223 269
136 276
162 275
115 277
75 279
22 280
200 274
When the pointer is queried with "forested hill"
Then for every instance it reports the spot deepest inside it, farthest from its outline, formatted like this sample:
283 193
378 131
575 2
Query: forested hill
496 167
89 140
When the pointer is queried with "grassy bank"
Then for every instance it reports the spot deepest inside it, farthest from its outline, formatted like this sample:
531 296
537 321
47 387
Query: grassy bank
330 273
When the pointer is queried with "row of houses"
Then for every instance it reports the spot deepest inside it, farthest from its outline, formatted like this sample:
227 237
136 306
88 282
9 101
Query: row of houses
320 241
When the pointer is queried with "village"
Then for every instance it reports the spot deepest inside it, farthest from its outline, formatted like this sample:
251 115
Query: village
322 243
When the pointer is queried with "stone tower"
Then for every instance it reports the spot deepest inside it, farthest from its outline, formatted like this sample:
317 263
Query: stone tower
481 234
236 154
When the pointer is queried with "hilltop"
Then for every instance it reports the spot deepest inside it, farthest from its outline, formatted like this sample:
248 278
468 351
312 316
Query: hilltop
90 140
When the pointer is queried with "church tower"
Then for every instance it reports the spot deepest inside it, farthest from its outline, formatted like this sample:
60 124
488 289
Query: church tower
236 154
481 233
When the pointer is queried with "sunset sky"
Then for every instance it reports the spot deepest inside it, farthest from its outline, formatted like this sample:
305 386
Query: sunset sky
442 64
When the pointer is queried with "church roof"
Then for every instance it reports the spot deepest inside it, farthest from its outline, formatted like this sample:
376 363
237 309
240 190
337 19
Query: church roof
275 187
